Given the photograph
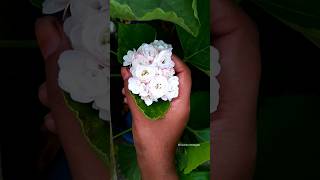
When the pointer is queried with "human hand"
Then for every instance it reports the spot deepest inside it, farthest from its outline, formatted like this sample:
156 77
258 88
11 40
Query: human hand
156 141
234 123
83 162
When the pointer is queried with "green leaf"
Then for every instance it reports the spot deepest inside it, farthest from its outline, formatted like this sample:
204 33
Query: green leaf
201 135
37 3
155 111
96 131
127 161
196 155
131 36
199 110
303 16
197 49
181 12
304 13
311 34
197 175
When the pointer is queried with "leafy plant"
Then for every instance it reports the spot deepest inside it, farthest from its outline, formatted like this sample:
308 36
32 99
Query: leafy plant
181 24
303 16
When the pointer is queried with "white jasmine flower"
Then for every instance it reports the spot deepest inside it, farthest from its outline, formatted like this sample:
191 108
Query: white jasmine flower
54 6
167 72
128 58
144 73
81 9
112 27
84 71
148 51
152 72
158 86
91 36
134 85
163 59
139 59
147 100
84 78
214 84
160 45
104 114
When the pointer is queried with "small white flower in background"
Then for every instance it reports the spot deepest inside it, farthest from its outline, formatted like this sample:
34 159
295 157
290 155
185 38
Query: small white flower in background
84 78
152 72
84 71
214 84
54 6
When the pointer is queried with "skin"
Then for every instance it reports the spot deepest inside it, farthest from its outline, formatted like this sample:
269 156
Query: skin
156 141
83 163
233 125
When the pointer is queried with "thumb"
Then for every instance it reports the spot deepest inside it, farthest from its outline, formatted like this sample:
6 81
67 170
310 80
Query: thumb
49 35
125 73
52 42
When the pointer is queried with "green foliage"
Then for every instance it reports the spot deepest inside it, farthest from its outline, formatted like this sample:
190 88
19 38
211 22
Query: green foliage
181 12
190 157
96 131
127 160
196 175
199 110
133 29
197 49
155 111
37 3
303 16
131 36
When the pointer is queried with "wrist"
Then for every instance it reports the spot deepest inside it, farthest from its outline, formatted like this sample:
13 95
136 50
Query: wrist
156 167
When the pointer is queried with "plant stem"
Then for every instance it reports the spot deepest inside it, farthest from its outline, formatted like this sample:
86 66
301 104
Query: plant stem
122 133
112 52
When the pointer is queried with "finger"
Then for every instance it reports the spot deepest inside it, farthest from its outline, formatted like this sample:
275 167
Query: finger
125 73
184 74
49 123
48 35
130 101
52 42
125 101
42 94
123 93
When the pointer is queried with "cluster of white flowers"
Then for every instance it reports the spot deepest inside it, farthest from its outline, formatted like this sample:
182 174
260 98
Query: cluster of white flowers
84 70
152 72
214 84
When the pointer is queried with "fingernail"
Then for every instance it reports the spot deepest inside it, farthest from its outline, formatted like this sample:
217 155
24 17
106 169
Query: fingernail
48 35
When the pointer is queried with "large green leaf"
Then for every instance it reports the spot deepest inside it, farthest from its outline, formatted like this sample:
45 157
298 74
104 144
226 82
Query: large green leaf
311 34
181 12
197 175
127 161
303 16
191 157
199 110
301 12
96 131
155 111
197 49
37 3
131 36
